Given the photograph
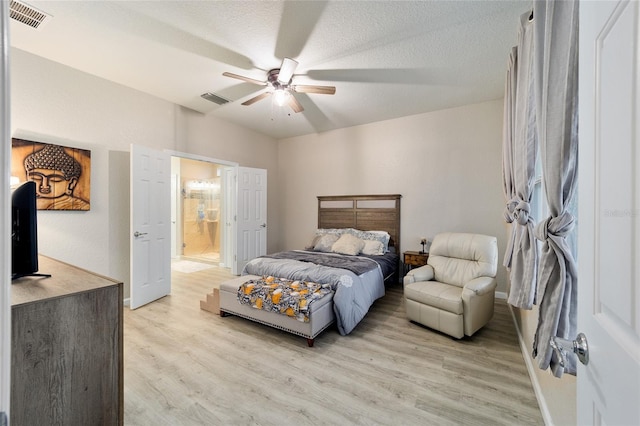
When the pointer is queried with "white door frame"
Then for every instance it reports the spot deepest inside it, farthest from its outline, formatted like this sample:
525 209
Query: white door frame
200 158
5 219
176 215
228 246
228 215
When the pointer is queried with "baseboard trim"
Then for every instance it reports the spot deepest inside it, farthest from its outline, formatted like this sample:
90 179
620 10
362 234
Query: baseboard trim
531 369
127 302
501 295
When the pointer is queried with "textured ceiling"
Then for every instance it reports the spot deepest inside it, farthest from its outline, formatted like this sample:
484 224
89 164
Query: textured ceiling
387 59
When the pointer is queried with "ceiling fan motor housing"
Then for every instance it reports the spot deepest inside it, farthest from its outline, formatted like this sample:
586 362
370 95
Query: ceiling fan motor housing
272 77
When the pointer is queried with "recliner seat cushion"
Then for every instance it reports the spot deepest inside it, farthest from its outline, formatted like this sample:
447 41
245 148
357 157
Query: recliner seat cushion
437 295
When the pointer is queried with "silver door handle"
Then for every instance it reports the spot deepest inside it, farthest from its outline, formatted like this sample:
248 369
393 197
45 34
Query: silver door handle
578 347
264 225
139 234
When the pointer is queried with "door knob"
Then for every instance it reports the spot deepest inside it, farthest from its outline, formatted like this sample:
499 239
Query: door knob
139 234
578 347
264 225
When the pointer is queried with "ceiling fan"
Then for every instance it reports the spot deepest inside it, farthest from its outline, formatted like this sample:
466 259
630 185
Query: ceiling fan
279 81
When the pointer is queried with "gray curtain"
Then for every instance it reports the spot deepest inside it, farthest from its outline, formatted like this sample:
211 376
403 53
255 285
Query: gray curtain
520 146
556 97
508 185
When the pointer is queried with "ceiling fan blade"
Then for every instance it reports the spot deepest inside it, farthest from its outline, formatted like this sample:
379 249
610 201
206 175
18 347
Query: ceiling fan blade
294 104
256 98
299 19
322 90
243 78
286 70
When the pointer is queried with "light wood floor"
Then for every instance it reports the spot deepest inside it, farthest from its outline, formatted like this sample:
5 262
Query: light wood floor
186 366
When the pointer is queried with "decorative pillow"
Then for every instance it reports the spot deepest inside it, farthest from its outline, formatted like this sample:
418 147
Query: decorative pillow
381 236
334 231
348 244
313 243
373 248
325 242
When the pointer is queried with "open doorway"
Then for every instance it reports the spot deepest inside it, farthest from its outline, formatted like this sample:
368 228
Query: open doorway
197 205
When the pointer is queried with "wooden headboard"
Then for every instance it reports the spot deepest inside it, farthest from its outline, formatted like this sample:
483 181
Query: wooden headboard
364 212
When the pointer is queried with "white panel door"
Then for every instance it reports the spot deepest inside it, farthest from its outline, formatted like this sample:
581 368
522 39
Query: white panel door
251 216
150 225
608 387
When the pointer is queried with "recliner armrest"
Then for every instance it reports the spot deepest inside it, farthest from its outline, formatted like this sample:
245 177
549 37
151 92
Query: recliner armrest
481 285
423 273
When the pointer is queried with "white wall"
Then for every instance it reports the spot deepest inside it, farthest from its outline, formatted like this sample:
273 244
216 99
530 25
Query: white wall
446 164
558 395
56 104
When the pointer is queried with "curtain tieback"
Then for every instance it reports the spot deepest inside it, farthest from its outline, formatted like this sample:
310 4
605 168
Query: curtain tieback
510 209
521 212
559 226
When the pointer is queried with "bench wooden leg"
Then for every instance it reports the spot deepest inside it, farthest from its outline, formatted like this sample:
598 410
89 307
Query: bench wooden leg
224 314
310 342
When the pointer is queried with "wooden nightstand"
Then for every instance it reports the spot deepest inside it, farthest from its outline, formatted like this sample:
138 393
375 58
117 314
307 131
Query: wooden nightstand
413 259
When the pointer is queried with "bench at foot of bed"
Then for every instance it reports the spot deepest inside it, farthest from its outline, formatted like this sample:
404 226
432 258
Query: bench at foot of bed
321 312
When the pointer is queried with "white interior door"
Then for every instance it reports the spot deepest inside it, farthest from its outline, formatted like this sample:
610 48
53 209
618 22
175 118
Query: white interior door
251 222
608 387
150 225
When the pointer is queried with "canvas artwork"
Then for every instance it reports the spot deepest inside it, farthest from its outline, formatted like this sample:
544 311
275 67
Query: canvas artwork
62 174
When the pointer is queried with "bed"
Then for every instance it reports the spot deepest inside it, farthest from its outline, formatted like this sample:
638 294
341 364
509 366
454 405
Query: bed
350 280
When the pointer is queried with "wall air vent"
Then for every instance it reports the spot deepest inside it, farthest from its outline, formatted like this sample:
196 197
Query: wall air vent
26 14
216 99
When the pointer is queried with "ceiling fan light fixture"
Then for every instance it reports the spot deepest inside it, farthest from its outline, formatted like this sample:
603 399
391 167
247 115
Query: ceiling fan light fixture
281 97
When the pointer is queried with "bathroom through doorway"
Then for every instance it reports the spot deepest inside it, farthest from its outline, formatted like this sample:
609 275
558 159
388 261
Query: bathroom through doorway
197 210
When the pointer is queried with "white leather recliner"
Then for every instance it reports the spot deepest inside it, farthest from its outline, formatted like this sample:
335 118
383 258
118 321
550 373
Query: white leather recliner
455 291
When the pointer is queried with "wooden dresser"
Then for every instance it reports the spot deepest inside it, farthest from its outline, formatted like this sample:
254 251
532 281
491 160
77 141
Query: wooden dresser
66 348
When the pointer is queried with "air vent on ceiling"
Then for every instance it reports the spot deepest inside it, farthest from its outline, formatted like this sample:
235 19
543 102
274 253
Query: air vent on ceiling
216 99
26 14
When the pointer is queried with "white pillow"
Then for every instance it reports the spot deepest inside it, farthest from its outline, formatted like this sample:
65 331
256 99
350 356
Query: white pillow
373 248
348 244
381 236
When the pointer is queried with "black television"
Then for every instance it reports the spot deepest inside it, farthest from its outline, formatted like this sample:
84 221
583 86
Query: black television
24 232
